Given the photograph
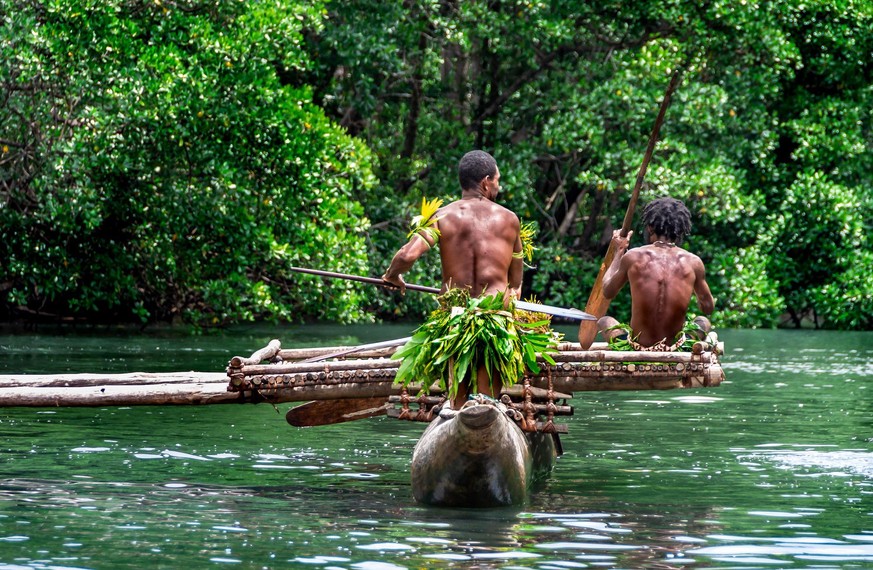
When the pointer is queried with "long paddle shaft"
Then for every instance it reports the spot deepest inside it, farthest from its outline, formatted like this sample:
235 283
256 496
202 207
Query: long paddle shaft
574 314
353 349
598 303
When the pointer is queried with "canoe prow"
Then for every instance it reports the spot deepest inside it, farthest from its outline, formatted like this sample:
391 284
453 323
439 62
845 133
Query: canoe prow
478 457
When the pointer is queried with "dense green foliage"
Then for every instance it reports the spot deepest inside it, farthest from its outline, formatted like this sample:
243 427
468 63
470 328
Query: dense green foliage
768 139
155 165
174 158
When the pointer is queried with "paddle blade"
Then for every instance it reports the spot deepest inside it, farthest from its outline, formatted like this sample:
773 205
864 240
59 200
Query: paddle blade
573 314
327 412
597 304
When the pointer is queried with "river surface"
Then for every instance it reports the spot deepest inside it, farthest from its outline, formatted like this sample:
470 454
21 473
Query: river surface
773 469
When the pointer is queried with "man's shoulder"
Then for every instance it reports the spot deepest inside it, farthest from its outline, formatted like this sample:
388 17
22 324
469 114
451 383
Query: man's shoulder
488 207
503 211
637 252
510 215
689 256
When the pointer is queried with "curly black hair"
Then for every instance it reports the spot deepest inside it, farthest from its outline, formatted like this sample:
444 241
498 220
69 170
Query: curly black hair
668 217
474 166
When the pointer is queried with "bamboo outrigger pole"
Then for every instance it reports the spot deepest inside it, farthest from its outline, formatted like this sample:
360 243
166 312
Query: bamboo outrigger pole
598 303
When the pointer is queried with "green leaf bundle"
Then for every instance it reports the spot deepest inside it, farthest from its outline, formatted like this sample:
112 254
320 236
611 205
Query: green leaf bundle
467 333
628 342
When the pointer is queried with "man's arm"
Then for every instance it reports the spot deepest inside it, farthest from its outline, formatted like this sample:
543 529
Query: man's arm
516 268
616 274
701 289
407 255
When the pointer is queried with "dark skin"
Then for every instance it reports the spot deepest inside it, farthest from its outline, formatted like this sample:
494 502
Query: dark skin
477 240
662 278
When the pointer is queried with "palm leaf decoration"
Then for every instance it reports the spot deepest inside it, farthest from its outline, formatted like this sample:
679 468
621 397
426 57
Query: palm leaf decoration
424 224
527 234
628 342
466 333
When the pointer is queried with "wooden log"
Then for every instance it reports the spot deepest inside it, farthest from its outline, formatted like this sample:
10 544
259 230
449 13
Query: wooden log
372 387
333 365
392 344
127 379
358 355
258 356
517 391
576 347
381 363
295 354
290 375
118 395
51 391
625 356
708 377
567 378
298 354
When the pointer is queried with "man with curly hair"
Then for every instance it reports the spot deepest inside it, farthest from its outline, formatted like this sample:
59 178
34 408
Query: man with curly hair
662 275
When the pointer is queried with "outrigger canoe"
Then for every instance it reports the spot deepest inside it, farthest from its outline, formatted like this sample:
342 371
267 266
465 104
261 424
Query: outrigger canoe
490 451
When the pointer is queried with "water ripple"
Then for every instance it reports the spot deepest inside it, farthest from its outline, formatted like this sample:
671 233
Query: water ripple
833 463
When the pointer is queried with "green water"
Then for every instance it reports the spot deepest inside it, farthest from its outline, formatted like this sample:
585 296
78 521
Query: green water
774 469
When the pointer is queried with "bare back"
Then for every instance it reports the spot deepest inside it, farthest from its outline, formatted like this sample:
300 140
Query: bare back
662 281
477 241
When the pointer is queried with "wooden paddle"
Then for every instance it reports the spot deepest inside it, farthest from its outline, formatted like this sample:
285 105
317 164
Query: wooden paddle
598 303
353 349
571 313
327 412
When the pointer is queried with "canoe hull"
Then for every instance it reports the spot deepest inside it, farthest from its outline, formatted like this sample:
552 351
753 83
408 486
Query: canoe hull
478 457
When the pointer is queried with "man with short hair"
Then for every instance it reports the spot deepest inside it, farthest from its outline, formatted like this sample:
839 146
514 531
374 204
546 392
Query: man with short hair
662 277
479 242
477 236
